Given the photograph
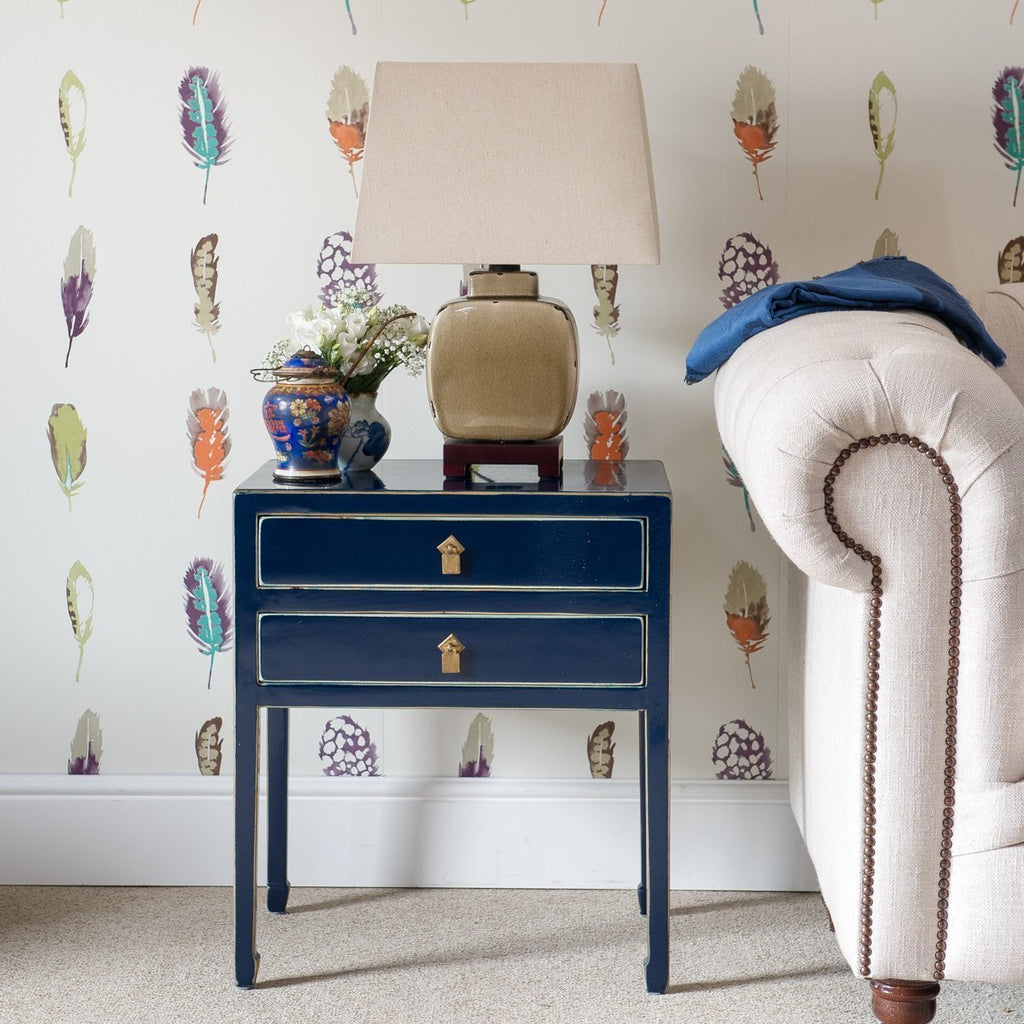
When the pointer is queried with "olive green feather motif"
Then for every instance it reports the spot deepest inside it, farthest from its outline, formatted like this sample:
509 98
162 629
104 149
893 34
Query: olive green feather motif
68 449
882 109
746 610
754 119
887 244
606 313
72 107
81 599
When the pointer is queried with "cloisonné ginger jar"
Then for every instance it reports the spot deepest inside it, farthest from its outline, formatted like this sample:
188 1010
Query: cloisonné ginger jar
306 413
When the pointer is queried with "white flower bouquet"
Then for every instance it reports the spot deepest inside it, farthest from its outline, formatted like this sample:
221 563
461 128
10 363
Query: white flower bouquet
362 342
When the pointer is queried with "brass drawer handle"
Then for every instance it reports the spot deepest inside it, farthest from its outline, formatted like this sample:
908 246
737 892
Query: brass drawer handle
451 647
451 562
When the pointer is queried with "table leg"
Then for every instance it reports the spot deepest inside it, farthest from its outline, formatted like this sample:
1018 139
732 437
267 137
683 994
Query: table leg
247 775
277 810
658 831
641 889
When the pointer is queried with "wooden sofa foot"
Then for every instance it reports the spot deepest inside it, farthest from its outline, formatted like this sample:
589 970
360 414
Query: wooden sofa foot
904 1002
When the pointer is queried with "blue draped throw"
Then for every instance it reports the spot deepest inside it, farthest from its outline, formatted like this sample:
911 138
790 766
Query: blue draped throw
888 283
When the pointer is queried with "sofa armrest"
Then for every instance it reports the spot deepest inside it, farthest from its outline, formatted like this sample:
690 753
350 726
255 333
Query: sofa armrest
904 691
791 398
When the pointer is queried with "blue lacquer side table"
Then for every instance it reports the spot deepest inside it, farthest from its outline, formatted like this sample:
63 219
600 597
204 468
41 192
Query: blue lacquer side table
536 594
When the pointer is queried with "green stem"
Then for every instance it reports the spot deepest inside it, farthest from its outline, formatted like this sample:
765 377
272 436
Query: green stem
74 164
881 171
81 655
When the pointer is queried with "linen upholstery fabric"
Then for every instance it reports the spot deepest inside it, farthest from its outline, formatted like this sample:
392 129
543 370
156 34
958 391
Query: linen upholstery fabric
787 402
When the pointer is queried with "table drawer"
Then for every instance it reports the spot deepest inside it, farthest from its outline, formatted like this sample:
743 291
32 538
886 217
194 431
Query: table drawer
351 648
499 553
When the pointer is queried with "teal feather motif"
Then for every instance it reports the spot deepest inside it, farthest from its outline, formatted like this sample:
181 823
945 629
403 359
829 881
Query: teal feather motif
1008 121
203 124
207 609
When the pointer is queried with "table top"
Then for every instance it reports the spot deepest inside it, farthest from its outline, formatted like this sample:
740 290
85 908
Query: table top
426 475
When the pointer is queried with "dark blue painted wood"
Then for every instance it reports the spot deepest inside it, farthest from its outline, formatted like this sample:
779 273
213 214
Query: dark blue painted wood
277 810
566 588
358 648
378 551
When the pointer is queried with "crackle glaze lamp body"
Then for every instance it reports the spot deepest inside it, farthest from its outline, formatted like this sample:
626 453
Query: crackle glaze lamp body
537 164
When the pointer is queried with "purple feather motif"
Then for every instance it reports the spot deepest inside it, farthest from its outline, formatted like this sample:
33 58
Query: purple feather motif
203 122
208 609
337 274
1008 121
87 746
346 749
740 752
76 284
478 750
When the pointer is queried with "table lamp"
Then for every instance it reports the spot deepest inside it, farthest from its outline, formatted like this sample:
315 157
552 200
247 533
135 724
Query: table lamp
502 165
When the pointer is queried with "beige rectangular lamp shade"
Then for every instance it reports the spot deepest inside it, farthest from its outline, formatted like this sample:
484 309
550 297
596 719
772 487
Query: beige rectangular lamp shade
491 163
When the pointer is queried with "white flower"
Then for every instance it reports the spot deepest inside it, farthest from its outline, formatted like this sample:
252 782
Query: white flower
417 326
355 323
305 328
332 323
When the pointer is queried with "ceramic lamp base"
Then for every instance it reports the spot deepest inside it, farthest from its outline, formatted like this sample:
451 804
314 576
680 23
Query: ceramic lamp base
502 362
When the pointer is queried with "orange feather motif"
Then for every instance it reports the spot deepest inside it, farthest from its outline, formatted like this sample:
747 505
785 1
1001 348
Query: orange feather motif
605 433
746 611
208 436
347 109
754 121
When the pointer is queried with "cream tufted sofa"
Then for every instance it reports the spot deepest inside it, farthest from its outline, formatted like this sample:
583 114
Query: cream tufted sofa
887 461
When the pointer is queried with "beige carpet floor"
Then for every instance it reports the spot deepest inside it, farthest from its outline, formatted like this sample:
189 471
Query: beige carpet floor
433 956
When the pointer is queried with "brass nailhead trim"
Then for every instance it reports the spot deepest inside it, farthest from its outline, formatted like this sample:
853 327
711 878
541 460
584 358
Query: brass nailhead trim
871 702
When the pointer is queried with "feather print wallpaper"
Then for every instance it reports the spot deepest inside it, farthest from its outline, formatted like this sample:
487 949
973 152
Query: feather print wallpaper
1008 121
76 285
208 609
348 107
204 123
203 262
72 108
745 266
1011 261
68 448
209 443
81 599
754 120
882 110
176 139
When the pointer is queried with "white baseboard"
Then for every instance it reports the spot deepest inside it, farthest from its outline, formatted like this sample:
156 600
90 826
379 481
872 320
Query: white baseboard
508 833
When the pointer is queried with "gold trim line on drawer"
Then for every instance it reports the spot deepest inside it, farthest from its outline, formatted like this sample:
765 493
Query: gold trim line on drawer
640 617
641 586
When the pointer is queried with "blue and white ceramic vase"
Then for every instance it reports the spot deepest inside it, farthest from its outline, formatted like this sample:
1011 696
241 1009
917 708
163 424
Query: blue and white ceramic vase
367 435
306 413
